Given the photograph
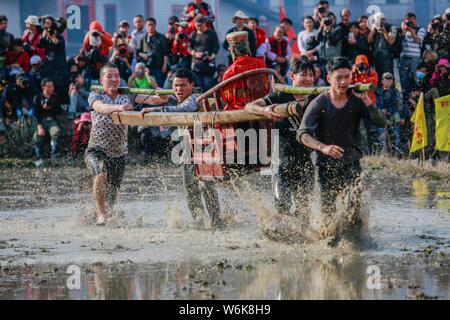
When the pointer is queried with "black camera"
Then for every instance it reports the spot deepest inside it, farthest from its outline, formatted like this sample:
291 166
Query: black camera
322 10
181 36
327 22
51 32
437 26
95 34
362 67
121 35
23 82
123 51
448 17
77 86
409 24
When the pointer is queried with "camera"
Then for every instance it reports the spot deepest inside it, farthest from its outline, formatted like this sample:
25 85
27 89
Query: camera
205 56
51 32
448 17
181 36
322 10
95 34
409 24
362 67
327 22
123 51
23 82
121 35
437 26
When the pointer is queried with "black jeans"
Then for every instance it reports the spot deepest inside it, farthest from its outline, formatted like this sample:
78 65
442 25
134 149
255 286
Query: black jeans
194 191
98 162
333 177
294 184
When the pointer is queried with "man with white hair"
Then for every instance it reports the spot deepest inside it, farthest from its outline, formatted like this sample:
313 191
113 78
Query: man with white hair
239 20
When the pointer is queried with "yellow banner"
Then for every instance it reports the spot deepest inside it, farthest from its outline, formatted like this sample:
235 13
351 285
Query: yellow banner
442 123
420 138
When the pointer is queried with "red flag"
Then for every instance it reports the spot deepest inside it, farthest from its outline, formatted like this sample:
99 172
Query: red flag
291 35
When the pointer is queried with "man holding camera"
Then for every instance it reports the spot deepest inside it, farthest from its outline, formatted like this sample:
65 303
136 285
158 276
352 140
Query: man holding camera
195 8
203 46
48 109
413 36
437 39
17 93
153 51
123 51
321 13
78 96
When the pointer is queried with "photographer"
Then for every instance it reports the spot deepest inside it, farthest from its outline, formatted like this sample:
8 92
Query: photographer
330 38
121 57
436 38
78 96
6 39
141 78
440 81
413 36
153 51
193 9
382 39
96 46
19 96
203 46
31 37
320 13
54 65
179 51
122 38
48 109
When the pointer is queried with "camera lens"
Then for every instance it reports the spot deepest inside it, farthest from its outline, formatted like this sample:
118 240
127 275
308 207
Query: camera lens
327 22
322 10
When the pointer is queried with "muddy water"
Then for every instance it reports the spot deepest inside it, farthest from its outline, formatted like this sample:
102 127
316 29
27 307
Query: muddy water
150 250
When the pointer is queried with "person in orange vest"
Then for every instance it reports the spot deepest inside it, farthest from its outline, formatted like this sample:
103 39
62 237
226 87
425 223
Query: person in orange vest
362 73
238 94
279 50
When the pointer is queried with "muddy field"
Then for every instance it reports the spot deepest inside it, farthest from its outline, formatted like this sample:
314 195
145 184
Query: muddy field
150 250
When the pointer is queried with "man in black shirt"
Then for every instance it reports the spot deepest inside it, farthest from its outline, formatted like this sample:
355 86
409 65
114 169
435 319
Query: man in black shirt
330 127
153 51
294 181
48 108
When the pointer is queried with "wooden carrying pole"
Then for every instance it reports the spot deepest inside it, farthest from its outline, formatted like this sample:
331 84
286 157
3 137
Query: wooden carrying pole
359 88
125 90
156 119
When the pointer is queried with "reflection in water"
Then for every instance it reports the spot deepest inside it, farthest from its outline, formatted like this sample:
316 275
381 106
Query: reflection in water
334 277
427 195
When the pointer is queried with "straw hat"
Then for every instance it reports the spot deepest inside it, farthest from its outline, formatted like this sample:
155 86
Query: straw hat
236 37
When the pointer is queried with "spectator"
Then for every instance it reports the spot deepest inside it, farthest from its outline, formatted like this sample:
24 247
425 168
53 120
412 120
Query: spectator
172 29
446 18
154 52
122 38
278 50
19 97
48 109
78 96
55 59
362 73
239 20
307 42
440 81
203 46
287 24
363 28
356 43
179 53
96 45
121 57
422 77
318 81
345 26
436 38
330 38
382 38
17 60
389 100
141 78
321 12
413 36
139 32
192 9
6 40
80 140
260 36
34 75
31 37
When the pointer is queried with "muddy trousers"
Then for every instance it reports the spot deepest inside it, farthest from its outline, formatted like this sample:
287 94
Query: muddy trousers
53 131
98 162
195 189
333 177
293 185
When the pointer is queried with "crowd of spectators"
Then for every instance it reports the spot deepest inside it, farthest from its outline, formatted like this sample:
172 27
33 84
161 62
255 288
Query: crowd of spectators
41 87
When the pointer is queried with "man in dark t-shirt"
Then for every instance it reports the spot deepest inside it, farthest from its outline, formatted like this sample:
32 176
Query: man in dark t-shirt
330 127
294 181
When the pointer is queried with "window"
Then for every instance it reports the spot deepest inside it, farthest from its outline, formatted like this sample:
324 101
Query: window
110 18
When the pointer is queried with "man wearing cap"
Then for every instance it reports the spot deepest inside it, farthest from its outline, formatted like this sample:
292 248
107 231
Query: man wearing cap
122 38
6 39
34 74
389 100
239 21
237 94
192 9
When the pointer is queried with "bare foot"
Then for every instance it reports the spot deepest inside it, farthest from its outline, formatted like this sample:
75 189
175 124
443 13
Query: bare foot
101 220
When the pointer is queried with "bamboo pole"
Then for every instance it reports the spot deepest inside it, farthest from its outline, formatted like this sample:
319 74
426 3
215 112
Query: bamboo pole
318 90
125 90
156 119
